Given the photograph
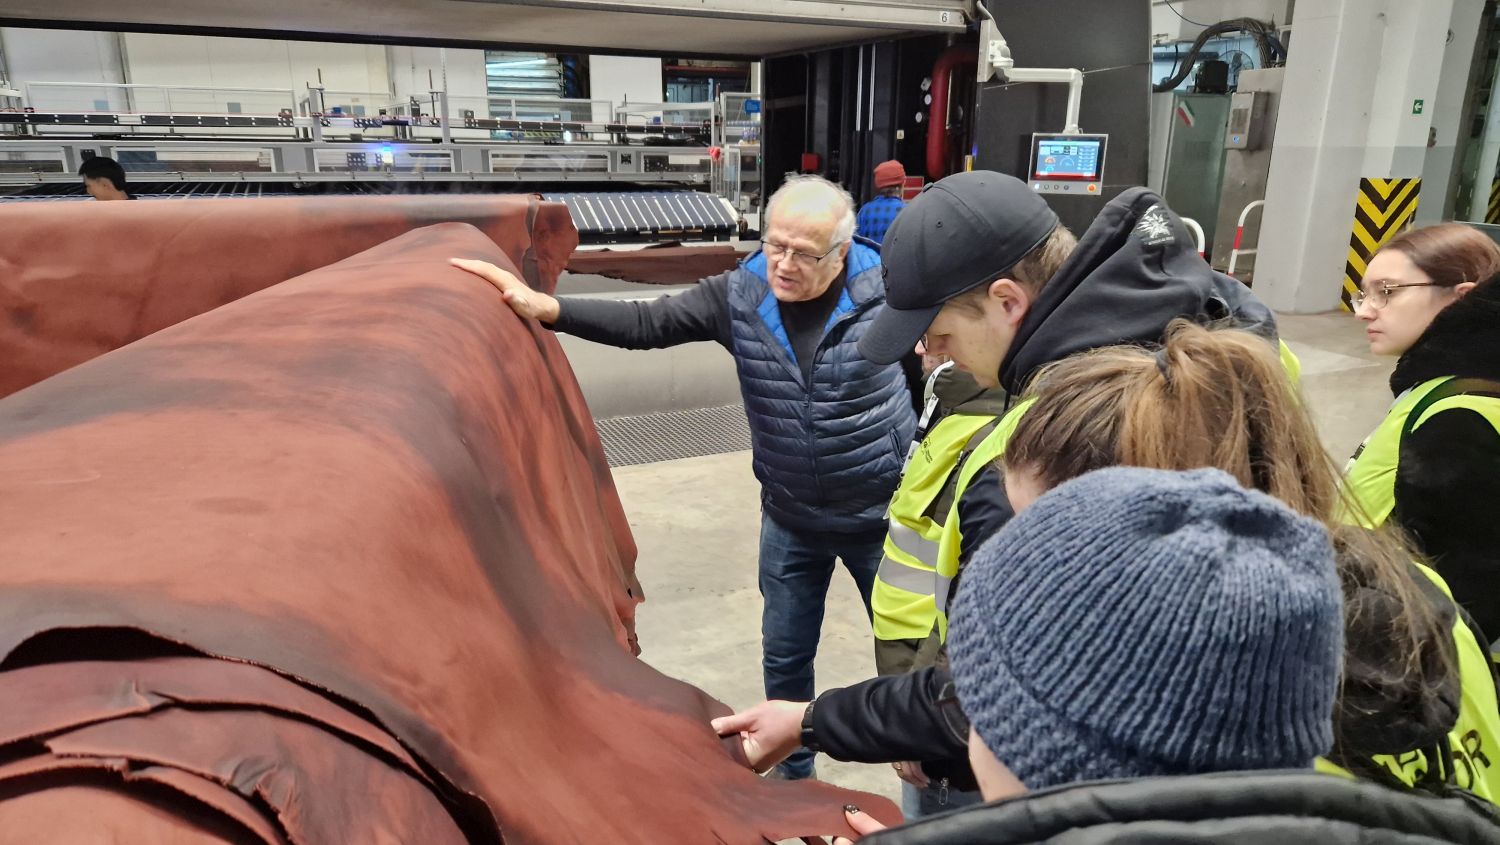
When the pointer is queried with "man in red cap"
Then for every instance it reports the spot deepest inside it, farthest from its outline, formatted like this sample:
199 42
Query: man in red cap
876 215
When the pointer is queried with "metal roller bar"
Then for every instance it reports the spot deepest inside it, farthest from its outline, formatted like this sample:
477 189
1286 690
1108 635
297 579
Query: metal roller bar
178 119
634 215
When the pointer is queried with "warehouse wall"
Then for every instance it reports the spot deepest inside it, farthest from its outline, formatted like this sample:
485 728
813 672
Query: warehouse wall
353 74
251 63
620 78
1164 20
59 55
467 87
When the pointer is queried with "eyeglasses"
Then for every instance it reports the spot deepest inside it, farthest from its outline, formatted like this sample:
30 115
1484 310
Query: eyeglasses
1381 295
779 252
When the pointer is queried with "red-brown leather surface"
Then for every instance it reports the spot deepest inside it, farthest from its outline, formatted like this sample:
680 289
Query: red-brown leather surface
377 480
317 787
78 279
44 700
176 792
280 760
665 265
112 815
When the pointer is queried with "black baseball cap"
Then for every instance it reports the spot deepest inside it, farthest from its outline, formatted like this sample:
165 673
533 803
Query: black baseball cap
957 234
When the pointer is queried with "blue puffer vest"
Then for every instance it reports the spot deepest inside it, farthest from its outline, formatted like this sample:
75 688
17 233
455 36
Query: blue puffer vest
827 454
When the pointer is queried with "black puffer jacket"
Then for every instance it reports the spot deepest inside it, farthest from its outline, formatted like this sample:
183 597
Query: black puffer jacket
1276 808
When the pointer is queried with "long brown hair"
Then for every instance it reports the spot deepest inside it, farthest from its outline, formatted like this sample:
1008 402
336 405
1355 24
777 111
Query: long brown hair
1207 398
1215 398
1449 253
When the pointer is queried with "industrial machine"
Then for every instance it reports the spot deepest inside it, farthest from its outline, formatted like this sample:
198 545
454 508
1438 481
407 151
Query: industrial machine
845 85
179 141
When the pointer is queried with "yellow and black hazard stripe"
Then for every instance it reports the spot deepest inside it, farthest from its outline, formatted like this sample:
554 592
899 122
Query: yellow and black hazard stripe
1384 208
1492 214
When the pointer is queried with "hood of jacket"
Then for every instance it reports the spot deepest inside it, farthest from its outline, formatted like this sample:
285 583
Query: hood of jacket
1134 271
959 393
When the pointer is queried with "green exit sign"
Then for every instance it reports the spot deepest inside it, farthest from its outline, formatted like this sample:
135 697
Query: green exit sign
1417 105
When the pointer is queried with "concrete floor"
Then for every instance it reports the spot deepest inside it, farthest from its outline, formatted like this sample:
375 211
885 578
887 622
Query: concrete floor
697 521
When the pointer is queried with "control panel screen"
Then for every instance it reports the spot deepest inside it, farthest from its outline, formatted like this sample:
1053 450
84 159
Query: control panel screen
1074 157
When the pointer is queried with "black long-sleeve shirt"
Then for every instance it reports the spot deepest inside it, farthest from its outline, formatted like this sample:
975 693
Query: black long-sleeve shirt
915 716
701 313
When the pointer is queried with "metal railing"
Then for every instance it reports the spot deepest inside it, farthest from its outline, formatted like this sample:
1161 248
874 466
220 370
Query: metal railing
130 97
665 112
1239 235
1197 234
186 132
348 103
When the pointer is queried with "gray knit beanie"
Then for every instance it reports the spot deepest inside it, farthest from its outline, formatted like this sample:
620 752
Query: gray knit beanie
1138 622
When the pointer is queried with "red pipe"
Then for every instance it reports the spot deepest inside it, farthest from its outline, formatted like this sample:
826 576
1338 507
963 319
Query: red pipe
937 113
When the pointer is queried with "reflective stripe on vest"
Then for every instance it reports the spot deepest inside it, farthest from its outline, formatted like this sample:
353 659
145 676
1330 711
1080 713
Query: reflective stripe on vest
913 579
951 542
1325 767
1370 476
901 605
1475 737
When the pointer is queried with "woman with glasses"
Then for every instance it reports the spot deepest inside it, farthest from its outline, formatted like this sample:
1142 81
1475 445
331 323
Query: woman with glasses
1433 465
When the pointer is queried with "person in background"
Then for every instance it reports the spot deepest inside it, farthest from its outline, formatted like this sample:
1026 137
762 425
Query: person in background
1430 296
104 179
829 429
876 216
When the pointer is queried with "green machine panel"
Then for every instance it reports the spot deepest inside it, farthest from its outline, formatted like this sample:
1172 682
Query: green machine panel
1195 158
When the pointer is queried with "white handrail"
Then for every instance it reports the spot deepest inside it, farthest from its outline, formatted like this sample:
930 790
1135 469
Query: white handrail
1239 235
1198 231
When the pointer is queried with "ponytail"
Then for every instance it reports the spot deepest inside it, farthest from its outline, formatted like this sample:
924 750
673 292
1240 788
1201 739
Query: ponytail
1217 398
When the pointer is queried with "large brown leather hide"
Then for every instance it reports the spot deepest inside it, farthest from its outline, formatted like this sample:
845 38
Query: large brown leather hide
78 279
342 562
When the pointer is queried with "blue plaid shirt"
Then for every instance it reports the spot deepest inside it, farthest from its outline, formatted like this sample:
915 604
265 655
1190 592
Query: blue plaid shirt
876 217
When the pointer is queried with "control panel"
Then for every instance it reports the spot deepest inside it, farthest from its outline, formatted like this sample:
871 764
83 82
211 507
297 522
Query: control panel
1068 164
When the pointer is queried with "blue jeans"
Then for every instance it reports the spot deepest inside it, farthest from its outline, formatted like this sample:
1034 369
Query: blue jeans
921 803
795 569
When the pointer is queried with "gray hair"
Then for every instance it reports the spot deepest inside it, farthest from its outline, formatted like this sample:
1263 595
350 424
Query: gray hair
840 203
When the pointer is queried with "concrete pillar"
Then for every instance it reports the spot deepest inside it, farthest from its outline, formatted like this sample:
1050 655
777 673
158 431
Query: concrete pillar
1489 160
1415 35
1356 67
1440 171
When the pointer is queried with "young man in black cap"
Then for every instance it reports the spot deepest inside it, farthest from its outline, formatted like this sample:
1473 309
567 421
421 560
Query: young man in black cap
980 267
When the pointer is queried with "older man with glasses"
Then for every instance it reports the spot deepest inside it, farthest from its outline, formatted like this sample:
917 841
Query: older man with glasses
829 429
